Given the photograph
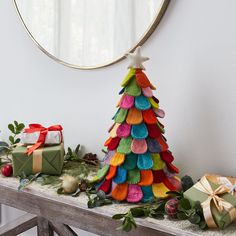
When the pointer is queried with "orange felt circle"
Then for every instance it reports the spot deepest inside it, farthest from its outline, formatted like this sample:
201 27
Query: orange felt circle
146 178
134 116
120 192
112 172
107 141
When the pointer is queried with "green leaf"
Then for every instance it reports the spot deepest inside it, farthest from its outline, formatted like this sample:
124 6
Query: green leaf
17 141
185 204
101 195
127 226
16 123
11 128
182 216
137 212
77 149
20 127
195 219
118 216
174 193
11 139
203 225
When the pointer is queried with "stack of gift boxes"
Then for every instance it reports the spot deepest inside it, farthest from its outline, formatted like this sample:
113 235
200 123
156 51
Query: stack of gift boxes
41 151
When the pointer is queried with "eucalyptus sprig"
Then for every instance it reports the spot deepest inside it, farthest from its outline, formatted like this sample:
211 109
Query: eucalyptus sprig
16 128
156 209
6 148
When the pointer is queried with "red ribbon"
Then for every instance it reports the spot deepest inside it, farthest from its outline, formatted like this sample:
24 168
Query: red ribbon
43 133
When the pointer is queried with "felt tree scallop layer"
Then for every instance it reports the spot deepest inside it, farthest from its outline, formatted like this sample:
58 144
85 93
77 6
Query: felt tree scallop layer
138 162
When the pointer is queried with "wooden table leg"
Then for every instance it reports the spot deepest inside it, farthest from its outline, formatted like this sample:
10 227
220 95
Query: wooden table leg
62 229
19 225
43 227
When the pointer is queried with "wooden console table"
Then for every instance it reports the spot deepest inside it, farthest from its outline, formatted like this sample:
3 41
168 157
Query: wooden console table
51 212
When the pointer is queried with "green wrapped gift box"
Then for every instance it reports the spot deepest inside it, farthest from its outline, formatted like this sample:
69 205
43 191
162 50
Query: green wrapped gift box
221 219
46 160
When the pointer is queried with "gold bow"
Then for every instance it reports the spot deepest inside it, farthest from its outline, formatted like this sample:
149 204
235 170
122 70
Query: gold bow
213 195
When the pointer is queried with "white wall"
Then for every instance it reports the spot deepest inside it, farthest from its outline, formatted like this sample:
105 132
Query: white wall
193 64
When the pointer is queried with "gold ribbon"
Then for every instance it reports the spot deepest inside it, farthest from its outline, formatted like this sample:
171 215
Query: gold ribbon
213 195
37 160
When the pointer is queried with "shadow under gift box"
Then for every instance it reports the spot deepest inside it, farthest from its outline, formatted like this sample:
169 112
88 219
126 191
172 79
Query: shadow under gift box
222 219
46 160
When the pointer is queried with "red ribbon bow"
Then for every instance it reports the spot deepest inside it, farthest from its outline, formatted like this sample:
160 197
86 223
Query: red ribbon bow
43 133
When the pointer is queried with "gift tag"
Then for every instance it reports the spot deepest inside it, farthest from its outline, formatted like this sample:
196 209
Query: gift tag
146 178
135 193
147 193
120 192
149 116
159 190
153 130
139 146
102 172
117 159
147 92
108 156
113 144
128 77
125 145
145 161
142 103
159 112
121 115
106 186
127 102
123 130
112 172
158 163
158 176
132 88
153 145
153 102
134 116
133 176
130 162
139 131
113 130
121 175
142 79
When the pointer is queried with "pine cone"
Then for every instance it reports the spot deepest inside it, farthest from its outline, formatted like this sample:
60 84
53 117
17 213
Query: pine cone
83 185
91 158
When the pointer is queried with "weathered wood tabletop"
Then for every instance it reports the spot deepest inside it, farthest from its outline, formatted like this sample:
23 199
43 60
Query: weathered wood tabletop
52 212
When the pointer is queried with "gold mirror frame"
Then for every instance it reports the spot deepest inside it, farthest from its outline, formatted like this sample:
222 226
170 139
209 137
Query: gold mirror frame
143 39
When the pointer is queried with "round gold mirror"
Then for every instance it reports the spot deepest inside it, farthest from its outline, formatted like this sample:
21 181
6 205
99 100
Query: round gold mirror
88 34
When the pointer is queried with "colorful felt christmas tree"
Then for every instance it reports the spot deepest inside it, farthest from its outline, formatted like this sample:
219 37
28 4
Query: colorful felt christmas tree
138 162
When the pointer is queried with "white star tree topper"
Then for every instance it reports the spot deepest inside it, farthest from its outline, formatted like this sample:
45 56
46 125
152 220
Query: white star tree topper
136 59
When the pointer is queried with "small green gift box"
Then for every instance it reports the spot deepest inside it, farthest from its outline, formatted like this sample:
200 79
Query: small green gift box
45 160
219 205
